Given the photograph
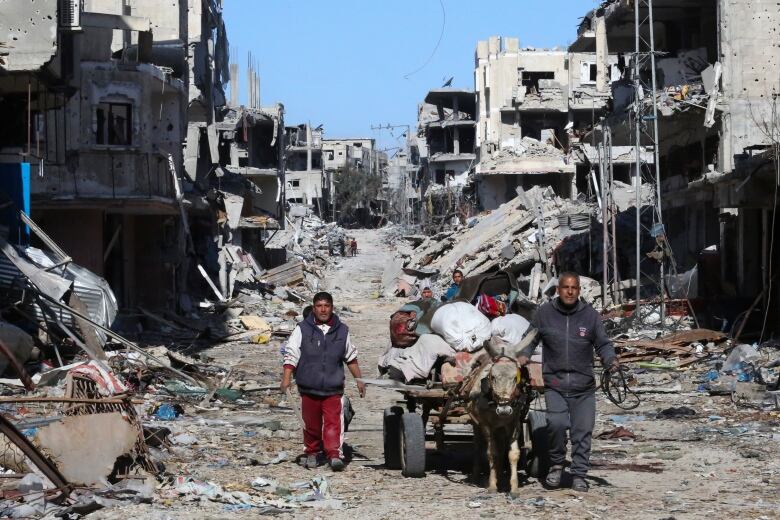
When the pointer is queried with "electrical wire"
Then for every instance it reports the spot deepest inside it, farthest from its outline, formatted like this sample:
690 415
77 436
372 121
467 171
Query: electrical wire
615 387
436 47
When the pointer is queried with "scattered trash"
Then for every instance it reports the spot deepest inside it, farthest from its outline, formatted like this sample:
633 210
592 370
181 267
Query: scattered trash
168 412
620 432
676 413
184 439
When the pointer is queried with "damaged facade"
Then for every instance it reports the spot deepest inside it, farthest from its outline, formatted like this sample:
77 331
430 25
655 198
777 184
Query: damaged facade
307 181
717 140
355 156
121 113
566 119
109 106
446 133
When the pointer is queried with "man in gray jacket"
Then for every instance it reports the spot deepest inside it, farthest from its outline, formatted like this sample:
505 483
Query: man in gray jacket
570 330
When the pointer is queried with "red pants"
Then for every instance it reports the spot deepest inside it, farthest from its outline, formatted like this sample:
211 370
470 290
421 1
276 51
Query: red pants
323 424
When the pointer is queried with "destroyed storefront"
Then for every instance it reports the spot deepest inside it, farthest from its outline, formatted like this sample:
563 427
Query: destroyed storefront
237 203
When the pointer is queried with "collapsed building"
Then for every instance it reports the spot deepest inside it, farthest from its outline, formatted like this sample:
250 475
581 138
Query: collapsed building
446 128
307 182
400 185
121 115
697 124
523 108
98 100
715 107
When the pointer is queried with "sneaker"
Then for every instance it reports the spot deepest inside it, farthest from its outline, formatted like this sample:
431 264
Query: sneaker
309 461
336 464
553 479
579 484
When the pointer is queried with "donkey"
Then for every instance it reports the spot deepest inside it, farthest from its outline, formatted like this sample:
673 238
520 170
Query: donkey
497 404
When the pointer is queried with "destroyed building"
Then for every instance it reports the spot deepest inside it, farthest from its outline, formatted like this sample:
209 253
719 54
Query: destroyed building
566 119
98 98
446 137
360 156
306 180
716 142
447 121
521 120
401 186
358 153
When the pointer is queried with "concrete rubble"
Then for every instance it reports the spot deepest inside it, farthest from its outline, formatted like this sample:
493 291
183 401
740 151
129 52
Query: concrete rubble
521 236
108 420
153 262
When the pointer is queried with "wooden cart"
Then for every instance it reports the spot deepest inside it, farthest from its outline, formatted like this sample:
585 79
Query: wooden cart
404 429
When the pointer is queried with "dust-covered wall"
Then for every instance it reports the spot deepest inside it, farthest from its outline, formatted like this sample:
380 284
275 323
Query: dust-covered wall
750 50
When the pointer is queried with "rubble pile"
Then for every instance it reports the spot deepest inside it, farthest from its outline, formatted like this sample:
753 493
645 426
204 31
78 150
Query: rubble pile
91 417
315 242
520 236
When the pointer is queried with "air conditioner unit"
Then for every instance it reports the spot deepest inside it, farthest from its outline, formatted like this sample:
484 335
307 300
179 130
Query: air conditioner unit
70 14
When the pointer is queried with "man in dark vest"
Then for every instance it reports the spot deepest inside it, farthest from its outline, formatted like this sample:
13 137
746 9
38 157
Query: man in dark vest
316 353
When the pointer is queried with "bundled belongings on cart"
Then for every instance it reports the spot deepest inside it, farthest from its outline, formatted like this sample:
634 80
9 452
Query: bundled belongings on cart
438 341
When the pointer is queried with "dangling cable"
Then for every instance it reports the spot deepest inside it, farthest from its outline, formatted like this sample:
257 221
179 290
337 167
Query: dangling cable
615 387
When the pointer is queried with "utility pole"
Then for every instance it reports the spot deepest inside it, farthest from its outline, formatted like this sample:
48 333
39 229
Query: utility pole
646 125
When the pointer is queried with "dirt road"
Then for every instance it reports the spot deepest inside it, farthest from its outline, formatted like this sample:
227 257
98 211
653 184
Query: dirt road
721 463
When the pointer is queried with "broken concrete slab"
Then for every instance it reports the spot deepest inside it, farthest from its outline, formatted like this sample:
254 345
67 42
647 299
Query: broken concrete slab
86 447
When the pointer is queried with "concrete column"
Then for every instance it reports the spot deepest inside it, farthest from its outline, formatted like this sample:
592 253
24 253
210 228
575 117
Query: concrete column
455 108
234 84
573 192
308 148
455 140
602 54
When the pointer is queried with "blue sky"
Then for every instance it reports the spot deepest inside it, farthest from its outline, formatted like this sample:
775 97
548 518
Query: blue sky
346 63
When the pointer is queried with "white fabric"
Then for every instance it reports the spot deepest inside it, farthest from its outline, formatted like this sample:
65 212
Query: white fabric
462 326
292 351
506 332
416 362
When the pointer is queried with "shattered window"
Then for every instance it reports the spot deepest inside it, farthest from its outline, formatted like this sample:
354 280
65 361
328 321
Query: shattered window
114 124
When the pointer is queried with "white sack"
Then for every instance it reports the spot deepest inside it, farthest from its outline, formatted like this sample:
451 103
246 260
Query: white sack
506 333
462 326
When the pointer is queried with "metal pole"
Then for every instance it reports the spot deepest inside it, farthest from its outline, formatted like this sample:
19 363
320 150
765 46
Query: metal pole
604 217
655 157
616 296
638 159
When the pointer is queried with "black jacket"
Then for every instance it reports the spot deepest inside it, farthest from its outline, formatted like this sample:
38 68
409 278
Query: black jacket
569 338
320 369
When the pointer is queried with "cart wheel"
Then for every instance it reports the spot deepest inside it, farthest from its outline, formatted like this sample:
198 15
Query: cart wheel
538 462
412 445
391 435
